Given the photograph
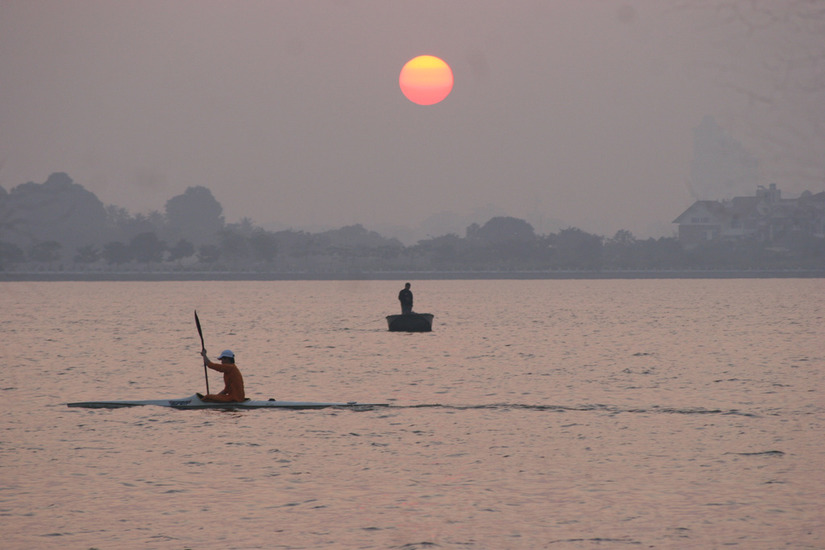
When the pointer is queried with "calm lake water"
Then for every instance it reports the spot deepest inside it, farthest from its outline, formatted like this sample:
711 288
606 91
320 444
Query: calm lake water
537 414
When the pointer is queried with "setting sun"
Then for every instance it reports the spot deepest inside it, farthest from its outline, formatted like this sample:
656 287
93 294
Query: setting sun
426 80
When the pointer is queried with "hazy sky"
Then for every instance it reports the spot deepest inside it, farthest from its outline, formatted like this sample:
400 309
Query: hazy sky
563 113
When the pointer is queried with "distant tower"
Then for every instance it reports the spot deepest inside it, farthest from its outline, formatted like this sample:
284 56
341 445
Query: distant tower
721 167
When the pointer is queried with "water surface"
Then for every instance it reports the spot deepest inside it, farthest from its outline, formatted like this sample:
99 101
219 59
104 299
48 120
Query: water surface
537 414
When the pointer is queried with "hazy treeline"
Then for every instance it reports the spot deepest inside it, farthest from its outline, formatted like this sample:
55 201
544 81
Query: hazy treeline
59 225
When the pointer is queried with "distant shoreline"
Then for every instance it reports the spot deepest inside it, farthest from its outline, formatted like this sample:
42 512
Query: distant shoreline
58 276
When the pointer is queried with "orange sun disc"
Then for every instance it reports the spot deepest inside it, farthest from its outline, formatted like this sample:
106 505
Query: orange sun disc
426 80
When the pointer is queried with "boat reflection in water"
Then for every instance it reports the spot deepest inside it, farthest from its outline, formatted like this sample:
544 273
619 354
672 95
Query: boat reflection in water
410 322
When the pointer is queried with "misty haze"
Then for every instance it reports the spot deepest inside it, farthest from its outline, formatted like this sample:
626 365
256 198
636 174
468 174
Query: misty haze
606 117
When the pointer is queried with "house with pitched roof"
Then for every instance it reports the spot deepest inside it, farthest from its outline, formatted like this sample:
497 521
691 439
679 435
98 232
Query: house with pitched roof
765 217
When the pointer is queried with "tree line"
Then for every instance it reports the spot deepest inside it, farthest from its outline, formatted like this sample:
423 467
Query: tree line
59 225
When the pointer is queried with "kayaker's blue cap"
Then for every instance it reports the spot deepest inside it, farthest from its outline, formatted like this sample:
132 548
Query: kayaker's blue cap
227 353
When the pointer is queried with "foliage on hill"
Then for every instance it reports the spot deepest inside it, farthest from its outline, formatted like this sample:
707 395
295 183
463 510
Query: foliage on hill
59 225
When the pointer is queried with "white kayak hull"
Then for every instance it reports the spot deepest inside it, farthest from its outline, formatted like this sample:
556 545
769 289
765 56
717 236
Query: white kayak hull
195 402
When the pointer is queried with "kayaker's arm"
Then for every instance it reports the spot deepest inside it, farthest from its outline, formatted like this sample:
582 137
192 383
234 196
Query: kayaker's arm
220 367
210 364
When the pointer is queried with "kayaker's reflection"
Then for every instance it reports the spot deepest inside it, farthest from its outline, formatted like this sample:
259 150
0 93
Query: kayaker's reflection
233 392
406 299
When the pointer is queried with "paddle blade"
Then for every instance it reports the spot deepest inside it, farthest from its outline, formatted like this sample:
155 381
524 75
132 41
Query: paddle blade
200 332
203 350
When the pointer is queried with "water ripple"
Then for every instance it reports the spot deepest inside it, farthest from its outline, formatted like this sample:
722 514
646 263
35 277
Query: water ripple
586 408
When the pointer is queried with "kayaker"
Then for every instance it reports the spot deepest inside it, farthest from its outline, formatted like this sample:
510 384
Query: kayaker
233 392
406 299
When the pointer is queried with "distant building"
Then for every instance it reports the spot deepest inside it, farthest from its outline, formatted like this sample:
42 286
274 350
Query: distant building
765 218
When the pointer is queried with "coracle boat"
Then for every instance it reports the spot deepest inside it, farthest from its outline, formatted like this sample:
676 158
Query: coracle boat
410 322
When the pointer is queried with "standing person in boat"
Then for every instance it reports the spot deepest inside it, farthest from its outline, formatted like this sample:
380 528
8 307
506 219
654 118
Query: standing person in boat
406 299
232 379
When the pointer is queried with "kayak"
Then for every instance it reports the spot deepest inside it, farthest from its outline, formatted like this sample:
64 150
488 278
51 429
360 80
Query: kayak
195 402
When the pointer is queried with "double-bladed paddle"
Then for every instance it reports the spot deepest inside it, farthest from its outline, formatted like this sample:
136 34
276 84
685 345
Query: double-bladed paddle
203 350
